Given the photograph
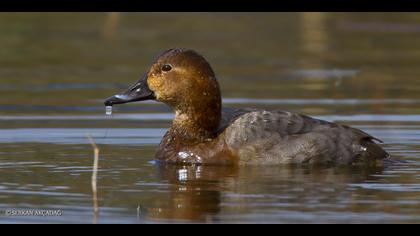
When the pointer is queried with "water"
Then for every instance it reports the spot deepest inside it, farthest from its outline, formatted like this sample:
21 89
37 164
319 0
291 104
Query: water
357 69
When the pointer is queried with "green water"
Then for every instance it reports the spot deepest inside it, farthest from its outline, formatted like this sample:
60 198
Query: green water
360 69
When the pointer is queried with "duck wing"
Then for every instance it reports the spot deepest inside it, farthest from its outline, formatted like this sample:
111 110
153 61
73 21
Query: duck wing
279 136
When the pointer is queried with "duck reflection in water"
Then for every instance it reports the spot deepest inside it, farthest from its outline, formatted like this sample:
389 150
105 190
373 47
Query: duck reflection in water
201 193
195 192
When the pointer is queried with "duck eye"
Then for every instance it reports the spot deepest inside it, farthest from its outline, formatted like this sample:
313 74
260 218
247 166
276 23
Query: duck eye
166 67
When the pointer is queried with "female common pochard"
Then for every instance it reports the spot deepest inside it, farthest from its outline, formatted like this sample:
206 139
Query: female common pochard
204 133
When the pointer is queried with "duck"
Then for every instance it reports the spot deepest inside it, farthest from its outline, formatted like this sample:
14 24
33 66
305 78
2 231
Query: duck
205 133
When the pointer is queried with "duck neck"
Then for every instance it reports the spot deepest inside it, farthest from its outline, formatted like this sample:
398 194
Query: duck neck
197 123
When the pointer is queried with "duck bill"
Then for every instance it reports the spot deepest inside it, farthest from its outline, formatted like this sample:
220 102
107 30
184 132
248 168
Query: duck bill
139 91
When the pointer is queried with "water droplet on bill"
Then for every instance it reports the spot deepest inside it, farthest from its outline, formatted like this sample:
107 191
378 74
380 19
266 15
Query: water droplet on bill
108 110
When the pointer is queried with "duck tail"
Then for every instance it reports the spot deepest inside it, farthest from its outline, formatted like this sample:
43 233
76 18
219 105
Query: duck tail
373 150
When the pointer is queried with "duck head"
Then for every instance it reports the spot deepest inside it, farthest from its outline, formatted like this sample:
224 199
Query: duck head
184 80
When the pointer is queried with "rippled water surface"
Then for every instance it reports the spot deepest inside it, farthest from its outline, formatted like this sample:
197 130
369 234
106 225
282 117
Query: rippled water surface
55 70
